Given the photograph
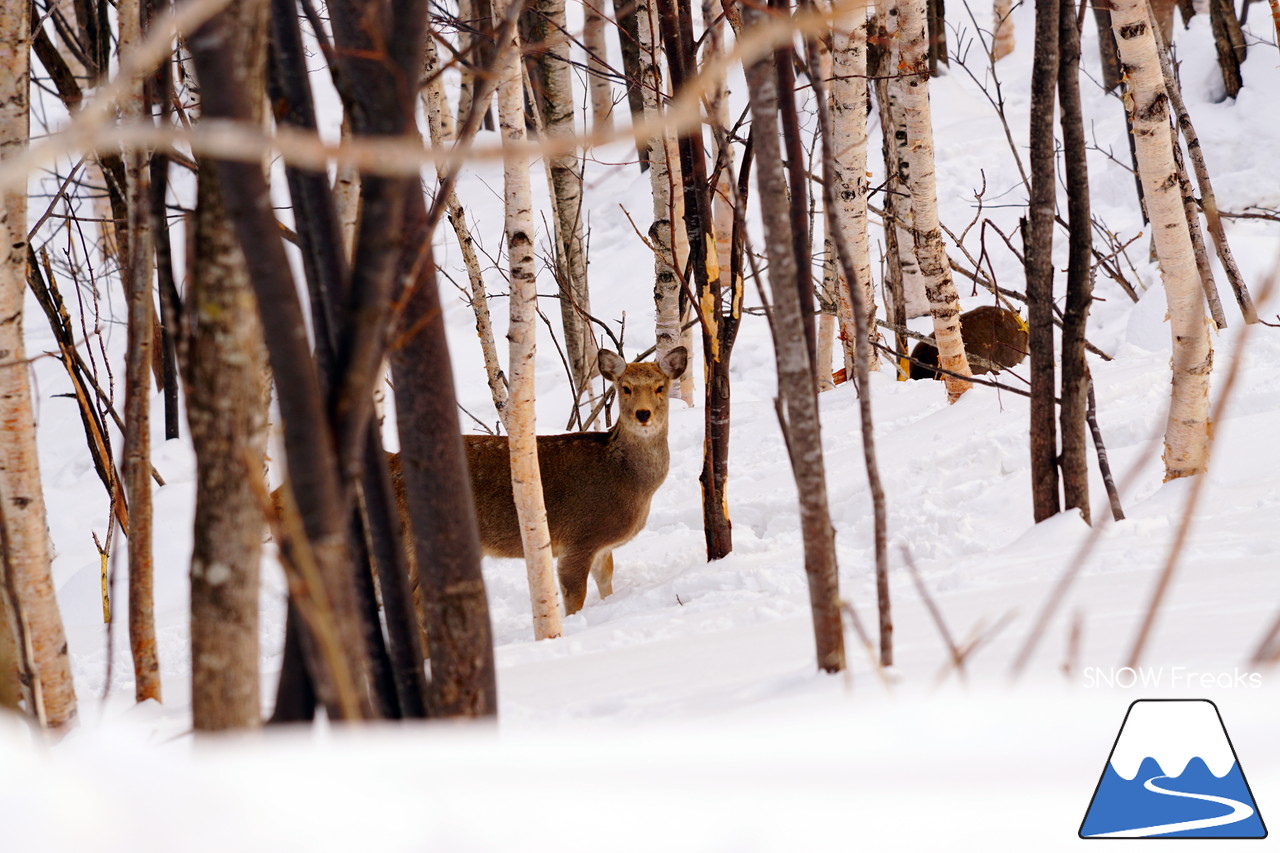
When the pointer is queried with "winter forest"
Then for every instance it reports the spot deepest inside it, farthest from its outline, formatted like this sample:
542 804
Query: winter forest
529 424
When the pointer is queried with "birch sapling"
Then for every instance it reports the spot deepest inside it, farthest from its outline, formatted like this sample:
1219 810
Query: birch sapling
526 480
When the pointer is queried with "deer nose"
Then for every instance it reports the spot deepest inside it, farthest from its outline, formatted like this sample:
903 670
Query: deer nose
642 415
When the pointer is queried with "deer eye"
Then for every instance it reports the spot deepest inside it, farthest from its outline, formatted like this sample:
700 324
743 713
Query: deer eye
662 389
626 390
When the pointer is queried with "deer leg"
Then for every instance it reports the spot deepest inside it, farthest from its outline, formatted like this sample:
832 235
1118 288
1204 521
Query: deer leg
573 570
602 572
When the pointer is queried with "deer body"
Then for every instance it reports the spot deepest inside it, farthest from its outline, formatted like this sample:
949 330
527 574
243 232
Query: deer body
597 486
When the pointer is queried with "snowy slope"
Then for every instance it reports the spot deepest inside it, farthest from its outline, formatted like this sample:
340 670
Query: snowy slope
685 711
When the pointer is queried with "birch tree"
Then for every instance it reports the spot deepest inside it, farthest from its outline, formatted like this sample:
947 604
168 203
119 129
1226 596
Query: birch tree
663 230
849 132
593 38
526 480
26 536
1186 442
917 122
566 186
899 244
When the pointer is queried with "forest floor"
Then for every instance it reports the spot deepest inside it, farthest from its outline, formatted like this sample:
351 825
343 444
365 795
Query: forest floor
686 711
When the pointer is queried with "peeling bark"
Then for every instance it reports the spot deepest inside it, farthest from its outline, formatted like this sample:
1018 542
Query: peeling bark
526 480
1186 443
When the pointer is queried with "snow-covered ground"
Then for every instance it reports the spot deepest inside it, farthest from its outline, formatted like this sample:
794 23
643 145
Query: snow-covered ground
685 712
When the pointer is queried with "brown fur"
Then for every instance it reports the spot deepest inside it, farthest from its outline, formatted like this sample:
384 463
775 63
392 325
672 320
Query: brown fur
597 486
994 338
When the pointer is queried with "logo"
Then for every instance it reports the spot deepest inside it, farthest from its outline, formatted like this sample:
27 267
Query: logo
1172 773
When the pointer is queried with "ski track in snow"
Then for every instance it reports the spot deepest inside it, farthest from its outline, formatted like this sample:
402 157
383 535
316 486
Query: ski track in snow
1239 811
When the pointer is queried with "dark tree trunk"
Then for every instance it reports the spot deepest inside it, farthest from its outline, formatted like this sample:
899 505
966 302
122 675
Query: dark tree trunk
341 679
676 21
725 323
1038 239
443 526
798 176
1228 40
160 94
797 386
862 365
937 36
325 266
1109 53
1075 371
224 362
629 37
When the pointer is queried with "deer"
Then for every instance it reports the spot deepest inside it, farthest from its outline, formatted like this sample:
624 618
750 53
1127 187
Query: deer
994 338
597 486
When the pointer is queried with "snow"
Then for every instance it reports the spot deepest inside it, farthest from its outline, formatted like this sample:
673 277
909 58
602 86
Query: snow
686 711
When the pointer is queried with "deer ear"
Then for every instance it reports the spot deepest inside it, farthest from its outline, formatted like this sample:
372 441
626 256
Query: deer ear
673 363
611 364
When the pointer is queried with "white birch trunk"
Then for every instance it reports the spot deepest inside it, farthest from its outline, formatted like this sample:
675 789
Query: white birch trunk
1003 43
944 303
21 496
593 37
433 96
849 139
526 481
916 302
826 348
1186 441
666 231
566 181
479 297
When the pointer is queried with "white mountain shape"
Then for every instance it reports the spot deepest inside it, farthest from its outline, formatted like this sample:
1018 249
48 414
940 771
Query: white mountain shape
1172 732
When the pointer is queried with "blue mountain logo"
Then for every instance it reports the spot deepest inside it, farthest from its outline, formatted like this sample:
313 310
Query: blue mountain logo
1173 773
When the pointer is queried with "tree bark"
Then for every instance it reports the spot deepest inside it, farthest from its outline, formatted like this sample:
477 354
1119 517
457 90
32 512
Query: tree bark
880 59
526 480
862 312
593 37
849 139
444 533
310 444
728 207
224 362
718 331
627 13
26 532
1228 40
1187 431
137 273
566 185
784 61
1107 50
1075 370
1038 240
227 416
1208 199
662 231
917 121
457 217
797 388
